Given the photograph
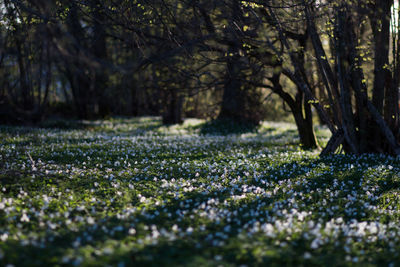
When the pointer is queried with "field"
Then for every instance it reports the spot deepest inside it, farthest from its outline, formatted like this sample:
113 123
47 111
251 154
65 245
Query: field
131 192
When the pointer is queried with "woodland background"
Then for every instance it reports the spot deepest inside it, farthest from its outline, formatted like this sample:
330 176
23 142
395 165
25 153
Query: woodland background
331 62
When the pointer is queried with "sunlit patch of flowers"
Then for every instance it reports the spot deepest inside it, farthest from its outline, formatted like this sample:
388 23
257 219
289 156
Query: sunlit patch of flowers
126 192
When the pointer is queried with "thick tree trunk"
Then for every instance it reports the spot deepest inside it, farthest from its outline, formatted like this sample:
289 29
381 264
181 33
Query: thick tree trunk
380 24
236 101
306 130
232 101
173 103
343 47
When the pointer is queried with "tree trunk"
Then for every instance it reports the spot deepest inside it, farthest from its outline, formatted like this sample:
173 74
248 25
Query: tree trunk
99 50
234 99
304 123
343 46
173 104
231 107
305 129
380 24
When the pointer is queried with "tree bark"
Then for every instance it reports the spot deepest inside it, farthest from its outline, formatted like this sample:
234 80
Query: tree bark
99 50
380 24
173 104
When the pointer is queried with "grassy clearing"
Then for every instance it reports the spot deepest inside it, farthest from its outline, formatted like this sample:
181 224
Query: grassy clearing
132 192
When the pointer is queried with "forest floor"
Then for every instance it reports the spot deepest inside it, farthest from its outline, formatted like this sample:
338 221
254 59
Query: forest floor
131 192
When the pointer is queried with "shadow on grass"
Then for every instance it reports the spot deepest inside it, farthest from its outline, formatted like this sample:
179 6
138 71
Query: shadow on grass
64 124
196 249
134 125
225 127
182 251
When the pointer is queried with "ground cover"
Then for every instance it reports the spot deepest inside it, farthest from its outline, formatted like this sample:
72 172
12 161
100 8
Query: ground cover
126 192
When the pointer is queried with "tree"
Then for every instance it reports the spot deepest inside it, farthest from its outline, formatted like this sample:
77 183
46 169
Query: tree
26 64
356 121
151 57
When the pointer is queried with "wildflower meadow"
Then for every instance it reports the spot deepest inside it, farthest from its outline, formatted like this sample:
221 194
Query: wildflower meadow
132 192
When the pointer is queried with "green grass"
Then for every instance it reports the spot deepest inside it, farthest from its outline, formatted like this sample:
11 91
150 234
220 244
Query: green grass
131 192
